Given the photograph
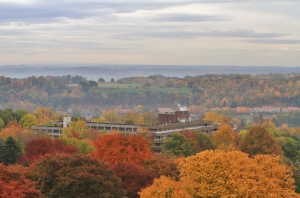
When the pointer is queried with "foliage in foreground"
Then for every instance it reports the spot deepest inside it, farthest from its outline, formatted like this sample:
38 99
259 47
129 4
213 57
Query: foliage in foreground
72 176
14 184
116 148
227 174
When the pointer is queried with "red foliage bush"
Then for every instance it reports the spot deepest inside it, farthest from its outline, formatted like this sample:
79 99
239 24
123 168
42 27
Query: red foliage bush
37 148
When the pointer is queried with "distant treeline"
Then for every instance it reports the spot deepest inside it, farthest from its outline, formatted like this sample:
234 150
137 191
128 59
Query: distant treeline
208 91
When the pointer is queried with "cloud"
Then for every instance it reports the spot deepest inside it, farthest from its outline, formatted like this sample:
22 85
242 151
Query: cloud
142 27
52 11
275 41
177 17
230 34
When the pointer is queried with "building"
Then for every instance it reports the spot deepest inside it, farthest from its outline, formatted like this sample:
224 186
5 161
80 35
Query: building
266 109
162 132
169 116
176 122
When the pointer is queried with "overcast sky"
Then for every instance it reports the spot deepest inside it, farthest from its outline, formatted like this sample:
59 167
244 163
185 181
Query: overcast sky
180 32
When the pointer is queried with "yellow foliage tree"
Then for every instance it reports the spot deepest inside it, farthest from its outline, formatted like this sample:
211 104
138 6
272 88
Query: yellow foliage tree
225 138
269 125
165 187
78 129
110 116
147 135
216 118
147 118
45 115
234 174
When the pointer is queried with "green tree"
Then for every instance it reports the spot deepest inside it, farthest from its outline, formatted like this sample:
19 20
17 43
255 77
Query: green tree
205 141
10 151
19 114
8 115
260 141
68 176
28 121
179 145
291 149
2 124
83 146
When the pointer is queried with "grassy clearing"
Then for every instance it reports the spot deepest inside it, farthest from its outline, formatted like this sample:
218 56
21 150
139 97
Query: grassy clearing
109 85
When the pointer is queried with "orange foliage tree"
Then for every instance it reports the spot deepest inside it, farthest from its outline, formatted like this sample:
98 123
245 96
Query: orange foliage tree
19 134
147 135
13 183
234 174
225 138
165 187
116 148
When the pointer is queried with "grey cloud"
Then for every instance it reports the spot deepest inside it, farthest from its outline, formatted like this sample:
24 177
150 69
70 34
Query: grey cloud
232 34
275 41
54 10
189 18
38 13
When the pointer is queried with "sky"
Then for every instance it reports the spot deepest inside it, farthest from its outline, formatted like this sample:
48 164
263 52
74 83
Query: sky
164 32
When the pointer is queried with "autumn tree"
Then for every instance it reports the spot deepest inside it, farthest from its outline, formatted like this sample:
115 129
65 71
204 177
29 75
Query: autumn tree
160 165
78 129
74 176
191 135
2 124
224 138
291 148
165 187
116 148
147 118
45 115
10 151
269 125
178 145
133 177
205 142
234 174
37 148
216 118
13 183
147 135
109 116
8 115
21 135
28 120
84 146
260 141
200 140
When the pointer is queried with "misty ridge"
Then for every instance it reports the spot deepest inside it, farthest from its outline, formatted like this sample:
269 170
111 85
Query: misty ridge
109 71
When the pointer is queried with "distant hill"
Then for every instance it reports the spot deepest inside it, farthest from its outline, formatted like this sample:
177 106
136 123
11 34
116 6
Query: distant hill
93 72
